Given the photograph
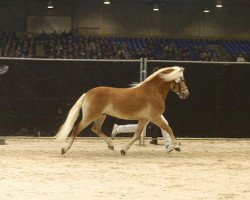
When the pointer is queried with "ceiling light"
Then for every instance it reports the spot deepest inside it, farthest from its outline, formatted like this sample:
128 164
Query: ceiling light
206 11
219 4
156 7
50 4
106 2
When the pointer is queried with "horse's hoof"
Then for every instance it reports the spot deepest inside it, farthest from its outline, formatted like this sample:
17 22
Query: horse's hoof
63 151
111 148
177 149
170 150
123 153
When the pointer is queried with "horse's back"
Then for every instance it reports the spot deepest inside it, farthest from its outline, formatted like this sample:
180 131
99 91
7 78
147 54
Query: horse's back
104 95
104 91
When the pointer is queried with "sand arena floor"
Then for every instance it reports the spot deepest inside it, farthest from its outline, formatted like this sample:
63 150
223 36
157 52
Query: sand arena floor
205 169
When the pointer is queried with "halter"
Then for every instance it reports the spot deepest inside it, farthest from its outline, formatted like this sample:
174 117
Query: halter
177 83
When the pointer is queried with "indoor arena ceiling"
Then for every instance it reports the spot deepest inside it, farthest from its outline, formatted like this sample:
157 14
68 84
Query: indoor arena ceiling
194 2
177 2
228 3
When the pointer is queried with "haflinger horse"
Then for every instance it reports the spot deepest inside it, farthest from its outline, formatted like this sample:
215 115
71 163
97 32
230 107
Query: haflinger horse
144 102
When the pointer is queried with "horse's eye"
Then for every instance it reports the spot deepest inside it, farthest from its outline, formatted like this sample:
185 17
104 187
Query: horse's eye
177 80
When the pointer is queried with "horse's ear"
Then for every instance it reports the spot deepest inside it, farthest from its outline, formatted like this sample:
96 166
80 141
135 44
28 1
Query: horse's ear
182 68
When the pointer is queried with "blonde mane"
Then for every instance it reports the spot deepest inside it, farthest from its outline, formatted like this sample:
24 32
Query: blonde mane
176 73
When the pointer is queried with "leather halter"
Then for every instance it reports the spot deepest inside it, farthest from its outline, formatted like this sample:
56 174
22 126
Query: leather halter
177 83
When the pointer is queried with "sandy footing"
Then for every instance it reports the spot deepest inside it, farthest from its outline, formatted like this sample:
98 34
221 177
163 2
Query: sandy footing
204 169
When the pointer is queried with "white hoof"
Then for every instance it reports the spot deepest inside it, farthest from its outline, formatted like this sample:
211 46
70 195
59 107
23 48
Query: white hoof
169 148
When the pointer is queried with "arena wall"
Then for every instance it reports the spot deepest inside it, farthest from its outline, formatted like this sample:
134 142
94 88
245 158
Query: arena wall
36 95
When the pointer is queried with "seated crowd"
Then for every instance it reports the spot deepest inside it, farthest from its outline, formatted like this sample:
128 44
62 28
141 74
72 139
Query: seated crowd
12 45
67 46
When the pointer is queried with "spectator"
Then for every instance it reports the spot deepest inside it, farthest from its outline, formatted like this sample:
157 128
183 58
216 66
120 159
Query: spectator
240 58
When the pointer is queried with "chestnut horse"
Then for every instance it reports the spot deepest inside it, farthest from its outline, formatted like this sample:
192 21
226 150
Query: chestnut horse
144 102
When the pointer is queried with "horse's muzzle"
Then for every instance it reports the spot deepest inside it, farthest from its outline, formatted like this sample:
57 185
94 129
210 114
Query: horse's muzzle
184 94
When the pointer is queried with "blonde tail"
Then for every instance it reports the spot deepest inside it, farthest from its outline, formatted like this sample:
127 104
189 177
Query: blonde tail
66 128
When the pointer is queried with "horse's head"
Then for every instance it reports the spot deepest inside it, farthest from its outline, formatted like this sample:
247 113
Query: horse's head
178 86
175 77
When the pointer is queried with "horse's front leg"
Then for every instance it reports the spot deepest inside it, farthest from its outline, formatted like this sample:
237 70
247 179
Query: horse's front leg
162 123
140 127
96 128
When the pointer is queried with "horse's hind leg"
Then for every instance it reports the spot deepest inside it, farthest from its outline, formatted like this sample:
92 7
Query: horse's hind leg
96 128
136 136
76 130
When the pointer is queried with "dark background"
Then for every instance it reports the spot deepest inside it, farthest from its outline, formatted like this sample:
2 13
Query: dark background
219 104
36 95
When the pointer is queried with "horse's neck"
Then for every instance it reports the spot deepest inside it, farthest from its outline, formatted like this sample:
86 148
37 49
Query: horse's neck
159 86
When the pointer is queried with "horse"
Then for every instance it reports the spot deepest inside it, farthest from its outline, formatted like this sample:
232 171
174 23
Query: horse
144 102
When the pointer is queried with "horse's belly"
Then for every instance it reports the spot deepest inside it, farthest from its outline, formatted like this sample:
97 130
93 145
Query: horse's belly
129 114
